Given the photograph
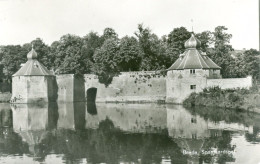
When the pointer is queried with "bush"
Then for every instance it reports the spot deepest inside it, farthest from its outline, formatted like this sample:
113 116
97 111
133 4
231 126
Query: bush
254 88
233 97
191 100
216 97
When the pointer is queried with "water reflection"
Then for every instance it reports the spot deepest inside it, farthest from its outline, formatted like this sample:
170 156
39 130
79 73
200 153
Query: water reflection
10 142
141 118
71 115
114 133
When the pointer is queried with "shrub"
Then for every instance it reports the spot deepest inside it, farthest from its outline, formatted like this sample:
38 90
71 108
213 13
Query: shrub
233 97
214 96
190 101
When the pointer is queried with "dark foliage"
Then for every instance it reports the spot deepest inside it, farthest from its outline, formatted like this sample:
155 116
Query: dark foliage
106 55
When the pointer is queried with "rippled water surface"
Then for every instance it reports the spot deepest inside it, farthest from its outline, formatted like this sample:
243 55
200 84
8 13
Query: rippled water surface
126 133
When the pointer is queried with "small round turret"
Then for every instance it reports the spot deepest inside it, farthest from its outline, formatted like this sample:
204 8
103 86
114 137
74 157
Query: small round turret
193 42
32 54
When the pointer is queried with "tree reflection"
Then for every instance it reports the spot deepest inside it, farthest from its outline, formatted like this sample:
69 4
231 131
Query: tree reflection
111 145
120 133
11 142
205 133
220 114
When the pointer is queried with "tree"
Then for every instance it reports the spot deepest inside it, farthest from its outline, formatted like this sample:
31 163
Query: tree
12 58
43 51
109 33
221 52
106 66
175 42
129 54
238 65
251 59
205 38
1 65
152 52
90 43
177 38
69 58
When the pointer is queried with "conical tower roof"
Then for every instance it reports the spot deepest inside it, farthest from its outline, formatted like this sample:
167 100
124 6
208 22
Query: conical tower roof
193 58
33 67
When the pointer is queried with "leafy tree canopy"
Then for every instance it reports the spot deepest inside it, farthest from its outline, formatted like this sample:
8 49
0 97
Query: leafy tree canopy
12 58
106 55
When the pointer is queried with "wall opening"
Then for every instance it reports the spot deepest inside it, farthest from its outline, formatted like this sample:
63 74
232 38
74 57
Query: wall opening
193 87
91 94
192 71
91 108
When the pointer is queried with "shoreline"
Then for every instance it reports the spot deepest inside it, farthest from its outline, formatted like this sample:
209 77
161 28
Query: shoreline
238 99
248 102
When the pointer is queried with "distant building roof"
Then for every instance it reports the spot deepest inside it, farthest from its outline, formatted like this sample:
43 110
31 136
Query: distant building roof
236 53
33 67
193 58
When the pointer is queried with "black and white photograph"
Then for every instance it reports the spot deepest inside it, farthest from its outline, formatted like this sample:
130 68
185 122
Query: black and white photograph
129 82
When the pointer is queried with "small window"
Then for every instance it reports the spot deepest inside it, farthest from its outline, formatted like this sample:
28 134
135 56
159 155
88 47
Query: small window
192 71
194 136
193 87
35 65
193 120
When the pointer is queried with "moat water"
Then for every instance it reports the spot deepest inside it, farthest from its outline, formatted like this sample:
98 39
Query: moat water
126 133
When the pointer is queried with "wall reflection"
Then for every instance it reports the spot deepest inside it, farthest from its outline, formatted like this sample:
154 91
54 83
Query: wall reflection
114 133
10 142
149 118
71 115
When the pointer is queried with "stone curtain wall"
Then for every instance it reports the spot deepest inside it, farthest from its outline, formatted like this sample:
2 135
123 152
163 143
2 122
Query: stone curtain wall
70 88
79 89
146 86
65 87
231 83
52 88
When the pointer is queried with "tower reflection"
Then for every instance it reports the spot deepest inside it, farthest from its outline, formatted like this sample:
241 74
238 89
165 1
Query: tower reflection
114 133
10 142
201 138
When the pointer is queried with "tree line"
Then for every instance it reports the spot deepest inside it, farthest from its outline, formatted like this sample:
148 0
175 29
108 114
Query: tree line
107 55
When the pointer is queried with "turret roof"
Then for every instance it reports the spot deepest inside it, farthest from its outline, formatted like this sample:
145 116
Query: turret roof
193 58
33 67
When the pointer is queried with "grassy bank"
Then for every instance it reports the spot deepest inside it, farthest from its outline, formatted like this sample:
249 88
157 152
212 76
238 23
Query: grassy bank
5 97
227 98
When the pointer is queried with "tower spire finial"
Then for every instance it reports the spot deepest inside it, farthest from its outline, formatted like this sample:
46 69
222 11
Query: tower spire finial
32 54
192 25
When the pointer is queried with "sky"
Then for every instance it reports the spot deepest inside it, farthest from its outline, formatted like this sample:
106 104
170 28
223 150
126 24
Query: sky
22 21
